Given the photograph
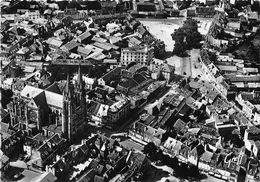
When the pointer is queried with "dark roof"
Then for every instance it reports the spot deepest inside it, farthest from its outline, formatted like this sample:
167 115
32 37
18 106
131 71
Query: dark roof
60 164
93 164
3 113
110 74
94 106
107 4
89 176
45 151
40 99
137 159
127 74
113 156
84 149
74 4
139 78
221 104
54 88
130 83
149 119
55 139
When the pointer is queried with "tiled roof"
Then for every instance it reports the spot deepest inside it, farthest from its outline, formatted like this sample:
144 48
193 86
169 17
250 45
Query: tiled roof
3 113
113 39
29 69
70 45
99 179
45 151
98 39
102 46
244 78
206 156
93 164
177 147
134 41
84 51
221 104
212 95
55 139
136 68
84 35
180 125
54 42
168 68
4 159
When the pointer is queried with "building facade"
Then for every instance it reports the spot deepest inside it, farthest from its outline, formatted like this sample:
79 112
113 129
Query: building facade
142 54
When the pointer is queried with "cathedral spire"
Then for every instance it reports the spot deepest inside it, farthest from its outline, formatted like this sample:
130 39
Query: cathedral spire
79 78
67 90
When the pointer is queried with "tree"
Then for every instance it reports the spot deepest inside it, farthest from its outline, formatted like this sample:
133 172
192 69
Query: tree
6 97
212 56
150 149
179 49
186 37
256 6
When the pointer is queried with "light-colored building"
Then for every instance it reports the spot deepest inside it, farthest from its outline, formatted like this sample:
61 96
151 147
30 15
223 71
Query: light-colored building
142 54
7 84
247 107
118 112
90 83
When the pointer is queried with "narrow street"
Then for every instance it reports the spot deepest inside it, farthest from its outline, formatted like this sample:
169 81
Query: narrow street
131 119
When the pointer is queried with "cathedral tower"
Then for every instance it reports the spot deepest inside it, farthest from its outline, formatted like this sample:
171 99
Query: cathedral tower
67 110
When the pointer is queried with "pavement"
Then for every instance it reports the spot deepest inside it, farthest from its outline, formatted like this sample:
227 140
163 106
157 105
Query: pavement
29 175
195 65
130 144
186 67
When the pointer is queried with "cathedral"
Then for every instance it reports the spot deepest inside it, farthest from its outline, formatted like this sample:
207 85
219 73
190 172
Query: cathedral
51 110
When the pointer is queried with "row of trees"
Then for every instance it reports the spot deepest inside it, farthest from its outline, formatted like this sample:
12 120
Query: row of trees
182 170
186 37
6 97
